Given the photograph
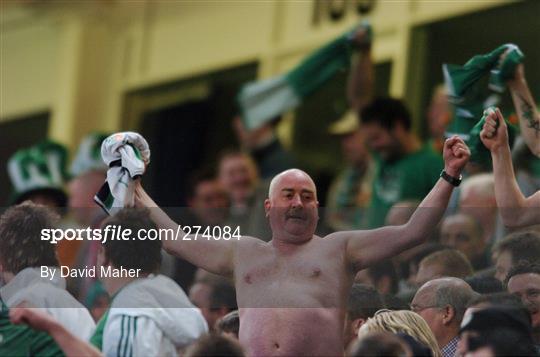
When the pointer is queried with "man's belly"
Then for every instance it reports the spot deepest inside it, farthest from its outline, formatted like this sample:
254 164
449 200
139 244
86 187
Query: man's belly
291 331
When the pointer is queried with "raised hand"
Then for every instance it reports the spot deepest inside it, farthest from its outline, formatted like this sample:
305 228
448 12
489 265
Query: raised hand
494 133
361 38
456 154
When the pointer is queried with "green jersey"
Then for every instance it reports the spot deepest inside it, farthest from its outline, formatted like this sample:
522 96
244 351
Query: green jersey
408 178
21 340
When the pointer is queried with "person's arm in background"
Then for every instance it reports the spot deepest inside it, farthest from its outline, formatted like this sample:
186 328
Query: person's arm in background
529 118
70 344
516 210
361 78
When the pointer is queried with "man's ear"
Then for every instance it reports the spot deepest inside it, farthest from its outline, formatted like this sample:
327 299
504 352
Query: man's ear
267 207
448 314
356 324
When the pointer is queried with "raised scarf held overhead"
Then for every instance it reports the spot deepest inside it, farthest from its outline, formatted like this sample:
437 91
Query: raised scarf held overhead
460 79
470 96
127 154
261 101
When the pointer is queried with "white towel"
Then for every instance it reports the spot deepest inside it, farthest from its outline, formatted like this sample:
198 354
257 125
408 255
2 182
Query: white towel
127 155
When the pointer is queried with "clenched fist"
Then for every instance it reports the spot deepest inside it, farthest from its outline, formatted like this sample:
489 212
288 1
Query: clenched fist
456 154
494 133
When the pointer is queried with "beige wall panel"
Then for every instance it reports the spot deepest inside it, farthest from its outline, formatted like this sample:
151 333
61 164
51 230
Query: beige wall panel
188 37
28 68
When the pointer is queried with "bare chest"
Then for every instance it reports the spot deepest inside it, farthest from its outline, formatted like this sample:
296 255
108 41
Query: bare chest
312 278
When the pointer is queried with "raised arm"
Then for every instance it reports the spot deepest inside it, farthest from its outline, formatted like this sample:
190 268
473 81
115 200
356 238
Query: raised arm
70 344
361 77
364 248
515 209
213 255
529 118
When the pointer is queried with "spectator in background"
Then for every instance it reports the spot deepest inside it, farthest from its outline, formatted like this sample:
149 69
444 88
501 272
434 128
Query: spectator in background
379 344
38 174
462 232
238 175
229 325
523 280
477 200
442 303
350 191
207 199
444 263
149 314
364 302
407 322
215 297
405 170
514 248
23 253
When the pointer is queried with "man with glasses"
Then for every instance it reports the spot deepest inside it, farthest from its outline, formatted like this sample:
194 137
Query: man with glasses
442 303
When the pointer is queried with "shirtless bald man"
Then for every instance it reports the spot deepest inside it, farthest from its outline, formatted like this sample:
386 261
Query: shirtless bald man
292 291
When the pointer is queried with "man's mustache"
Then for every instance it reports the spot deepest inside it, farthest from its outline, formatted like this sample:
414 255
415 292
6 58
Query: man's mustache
296 213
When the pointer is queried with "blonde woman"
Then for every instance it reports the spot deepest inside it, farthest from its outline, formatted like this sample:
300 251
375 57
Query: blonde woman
402 321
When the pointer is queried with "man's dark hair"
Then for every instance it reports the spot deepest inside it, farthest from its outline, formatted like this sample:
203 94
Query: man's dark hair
383 269
522 246
229 323
386 112
364 302
504 342
497 300
133 253
223 293
485 284
215 345
21 245
453 262
523 267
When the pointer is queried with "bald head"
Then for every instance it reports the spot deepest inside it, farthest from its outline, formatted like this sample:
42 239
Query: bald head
291 173
450 291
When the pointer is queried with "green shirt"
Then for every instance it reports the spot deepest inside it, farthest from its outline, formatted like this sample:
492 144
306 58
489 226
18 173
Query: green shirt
408 178
97 338
21 340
